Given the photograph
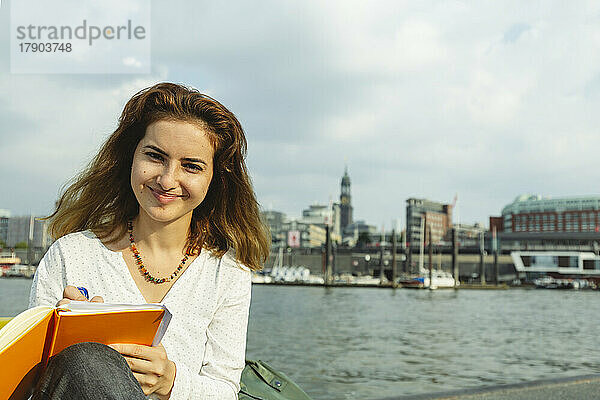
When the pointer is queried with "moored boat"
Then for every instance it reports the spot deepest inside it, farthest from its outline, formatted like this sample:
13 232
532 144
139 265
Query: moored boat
441 279
567 266
11 267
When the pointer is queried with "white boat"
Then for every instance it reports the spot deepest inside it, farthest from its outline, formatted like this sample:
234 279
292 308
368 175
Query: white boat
285 274
10 266
548 282
261 278
364 280
441 279
558 264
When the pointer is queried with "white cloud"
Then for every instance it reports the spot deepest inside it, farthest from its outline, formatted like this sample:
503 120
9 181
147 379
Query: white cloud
69 123
421 99
489 100
417 45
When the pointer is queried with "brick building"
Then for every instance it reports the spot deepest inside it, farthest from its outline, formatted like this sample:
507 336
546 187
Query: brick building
533 213
436 215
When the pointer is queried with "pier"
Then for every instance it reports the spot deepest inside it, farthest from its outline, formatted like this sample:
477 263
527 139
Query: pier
578 387
387 285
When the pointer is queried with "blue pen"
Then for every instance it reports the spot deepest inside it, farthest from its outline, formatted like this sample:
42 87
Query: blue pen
84 292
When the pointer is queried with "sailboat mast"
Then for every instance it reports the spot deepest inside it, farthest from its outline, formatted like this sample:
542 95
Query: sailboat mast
421 244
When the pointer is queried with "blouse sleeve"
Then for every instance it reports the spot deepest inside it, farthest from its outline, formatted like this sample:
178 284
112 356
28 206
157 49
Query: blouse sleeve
47 286
224 358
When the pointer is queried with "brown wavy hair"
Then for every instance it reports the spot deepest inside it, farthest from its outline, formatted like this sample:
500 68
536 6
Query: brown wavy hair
101 198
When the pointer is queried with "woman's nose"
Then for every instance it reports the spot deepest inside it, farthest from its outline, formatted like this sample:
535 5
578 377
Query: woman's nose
167 179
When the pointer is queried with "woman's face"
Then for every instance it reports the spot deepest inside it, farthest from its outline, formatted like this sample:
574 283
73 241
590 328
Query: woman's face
171 170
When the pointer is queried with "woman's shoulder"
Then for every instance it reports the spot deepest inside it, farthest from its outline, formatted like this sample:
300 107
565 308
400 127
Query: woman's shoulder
76 240
77 237
229 259
229 264
73 246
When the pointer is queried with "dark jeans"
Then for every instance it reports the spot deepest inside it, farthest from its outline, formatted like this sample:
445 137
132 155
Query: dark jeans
88 371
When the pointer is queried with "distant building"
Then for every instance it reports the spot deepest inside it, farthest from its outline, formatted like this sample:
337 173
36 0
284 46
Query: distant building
337 223
496 223
437 215
385 238
4 217
358 229
550 241
345 202
533 213
274 220
20 227
465 233
305 232
317 214
322 215
310 235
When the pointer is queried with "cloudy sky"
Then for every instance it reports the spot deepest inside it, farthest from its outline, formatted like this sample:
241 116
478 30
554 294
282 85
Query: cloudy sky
487 99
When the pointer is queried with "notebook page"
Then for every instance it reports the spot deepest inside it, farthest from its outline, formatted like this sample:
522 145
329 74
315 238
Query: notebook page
88 307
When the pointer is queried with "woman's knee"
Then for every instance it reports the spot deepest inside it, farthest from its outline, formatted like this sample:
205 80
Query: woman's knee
85 370
87 356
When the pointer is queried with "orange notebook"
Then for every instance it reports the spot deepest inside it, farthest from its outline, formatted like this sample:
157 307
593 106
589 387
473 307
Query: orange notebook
35 335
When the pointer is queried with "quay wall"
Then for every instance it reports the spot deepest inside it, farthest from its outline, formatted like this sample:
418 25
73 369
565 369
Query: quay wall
355 263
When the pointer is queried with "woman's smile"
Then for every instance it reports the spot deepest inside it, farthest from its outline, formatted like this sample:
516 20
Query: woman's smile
164 197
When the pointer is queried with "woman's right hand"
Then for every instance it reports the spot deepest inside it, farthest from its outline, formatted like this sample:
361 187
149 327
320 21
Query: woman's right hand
72 293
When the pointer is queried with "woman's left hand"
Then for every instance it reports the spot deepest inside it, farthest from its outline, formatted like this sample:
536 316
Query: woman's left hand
150 366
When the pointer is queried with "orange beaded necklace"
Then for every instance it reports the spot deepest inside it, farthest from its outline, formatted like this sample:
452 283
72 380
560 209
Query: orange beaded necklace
140 264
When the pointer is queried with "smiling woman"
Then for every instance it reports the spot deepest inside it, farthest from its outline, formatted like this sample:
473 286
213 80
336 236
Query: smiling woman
164 213
164 170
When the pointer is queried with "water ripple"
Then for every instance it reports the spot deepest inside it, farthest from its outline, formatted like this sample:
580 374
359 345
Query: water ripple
367 343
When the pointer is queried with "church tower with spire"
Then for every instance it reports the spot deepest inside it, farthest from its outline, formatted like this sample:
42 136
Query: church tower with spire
345 202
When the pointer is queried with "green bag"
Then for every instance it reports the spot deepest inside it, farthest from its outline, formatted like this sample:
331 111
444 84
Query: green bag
261 382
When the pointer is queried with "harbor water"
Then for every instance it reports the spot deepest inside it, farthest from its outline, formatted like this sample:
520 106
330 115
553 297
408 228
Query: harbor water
369 343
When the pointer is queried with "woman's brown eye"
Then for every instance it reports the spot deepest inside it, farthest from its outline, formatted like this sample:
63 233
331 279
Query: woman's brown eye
193 167
155 156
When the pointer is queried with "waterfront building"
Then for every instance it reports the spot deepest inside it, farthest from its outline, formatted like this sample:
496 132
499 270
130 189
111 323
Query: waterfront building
534 213
337 223
317 214
345 202
20 227
307 233
4 217
466 233
311 227
547 241
274 220
359 230
385 238
496 224
322 215
437 215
